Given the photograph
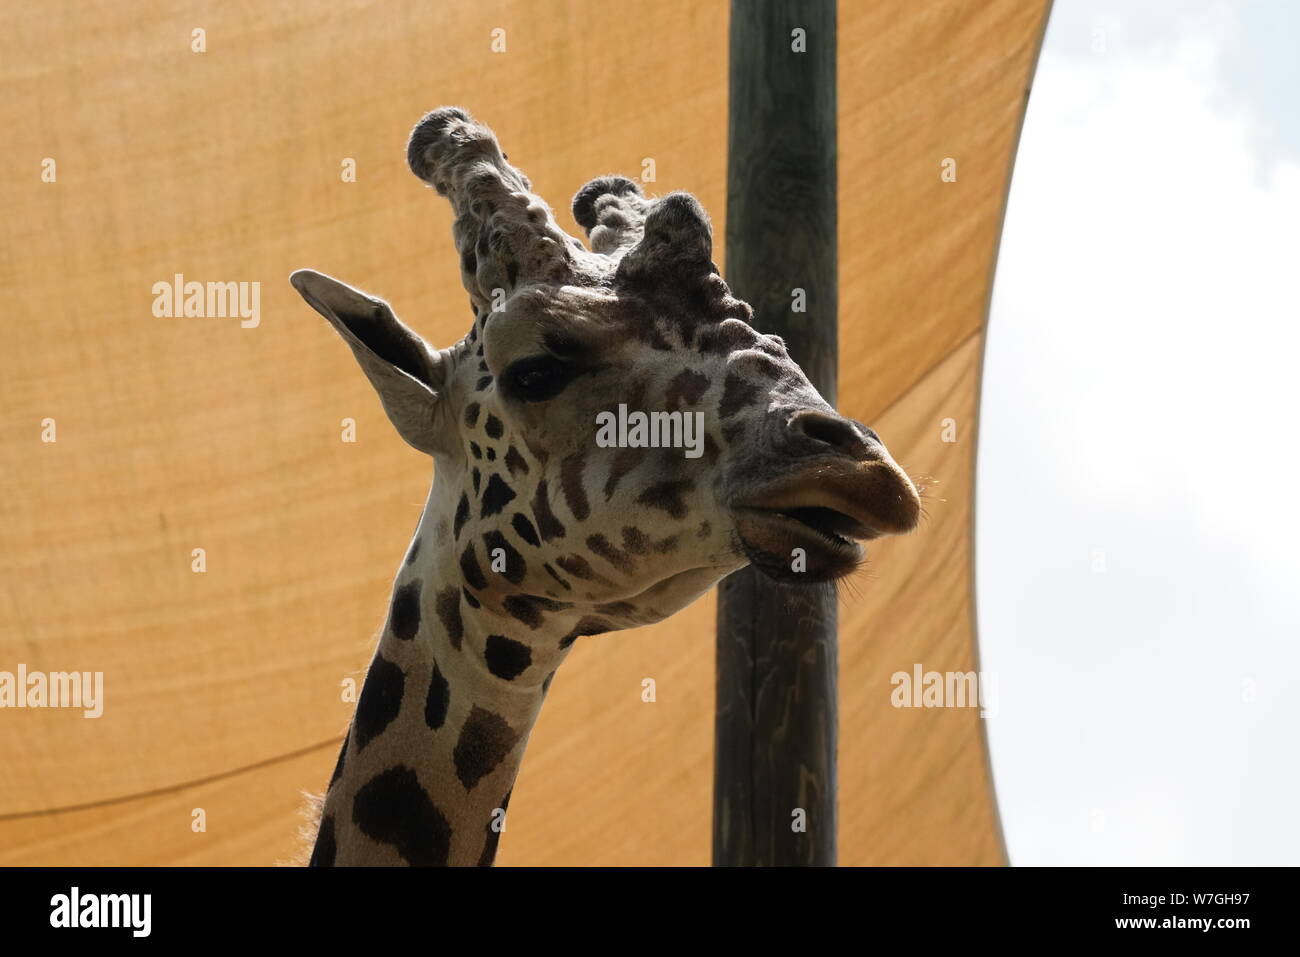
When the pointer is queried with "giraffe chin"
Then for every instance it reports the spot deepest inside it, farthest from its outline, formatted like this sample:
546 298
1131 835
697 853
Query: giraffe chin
800 549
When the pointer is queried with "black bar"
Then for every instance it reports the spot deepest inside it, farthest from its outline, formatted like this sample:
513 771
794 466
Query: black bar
277 906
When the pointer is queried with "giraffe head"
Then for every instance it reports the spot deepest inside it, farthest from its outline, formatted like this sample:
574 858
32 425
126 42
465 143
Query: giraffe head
611 435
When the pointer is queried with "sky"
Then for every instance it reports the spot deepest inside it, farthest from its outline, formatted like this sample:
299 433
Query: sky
1137 570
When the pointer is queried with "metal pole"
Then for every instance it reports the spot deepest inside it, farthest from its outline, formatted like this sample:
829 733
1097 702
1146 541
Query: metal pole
775 730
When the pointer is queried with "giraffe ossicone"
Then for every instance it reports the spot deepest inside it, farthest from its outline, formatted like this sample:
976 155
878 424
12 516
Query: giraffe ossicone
534 533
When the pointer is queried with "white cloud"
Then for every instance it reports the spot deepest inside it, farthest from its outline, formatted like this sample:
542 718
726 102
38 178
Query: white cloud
1140 396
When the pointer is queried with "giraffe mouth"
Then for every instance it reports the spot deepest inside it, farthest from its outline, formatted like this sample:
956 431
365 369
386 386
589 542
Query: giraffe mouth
809 527
801 544
834 526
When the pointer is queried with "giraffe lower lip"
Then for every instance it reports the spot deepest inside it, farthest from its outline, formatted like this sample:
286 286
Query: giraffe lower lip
770 539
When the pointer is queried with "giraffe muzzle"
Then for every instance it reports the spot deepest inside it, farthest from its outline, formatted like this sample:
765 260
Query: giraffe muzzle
808 526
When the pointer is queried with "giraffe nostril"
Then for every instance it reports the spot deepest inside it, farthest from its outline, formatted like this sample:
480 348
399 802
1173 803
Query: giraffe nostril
837 432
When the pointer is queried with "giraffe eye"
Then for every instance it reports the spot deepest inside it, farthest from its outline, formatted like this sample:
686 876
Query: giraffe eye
538 378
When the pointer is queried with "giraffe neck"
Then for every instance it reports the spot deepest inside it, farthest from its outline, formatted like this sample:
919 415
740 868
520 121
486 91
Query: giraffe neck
425 773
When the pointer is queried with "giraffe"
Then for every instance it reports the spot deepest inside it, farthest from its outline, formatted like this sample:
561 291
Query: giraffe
534 534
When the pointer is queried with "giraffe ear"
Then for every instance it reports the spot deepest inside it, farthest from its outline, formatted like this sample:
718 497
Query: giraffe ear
405 372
